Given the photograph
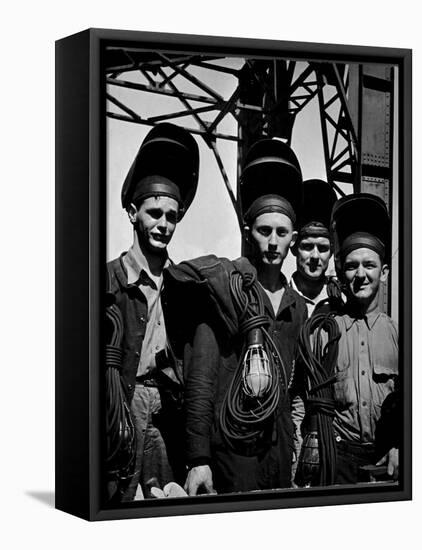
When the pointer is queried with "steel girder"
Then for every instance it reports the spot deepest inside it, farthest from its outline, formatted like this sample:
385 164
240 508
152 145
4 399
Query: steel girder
266 97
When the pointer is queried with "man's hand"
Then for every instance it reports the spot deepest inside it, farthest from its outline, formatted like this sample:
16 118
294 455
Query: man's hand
392 461
198 478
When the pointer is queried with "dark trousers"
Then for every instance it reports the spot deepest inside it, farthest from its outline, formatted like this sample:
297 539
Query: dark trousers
269 466
351 457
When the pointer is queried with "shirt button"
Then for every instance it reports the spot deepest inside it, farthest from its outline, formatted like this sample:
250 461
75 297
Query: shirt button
362 343
363 373
137 353
142 319
338 438
158 322
363 403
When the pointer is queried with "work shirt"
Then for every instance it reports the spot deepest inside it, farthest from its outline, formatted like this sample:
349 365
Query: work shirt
367 371
285 324
311 303
154 340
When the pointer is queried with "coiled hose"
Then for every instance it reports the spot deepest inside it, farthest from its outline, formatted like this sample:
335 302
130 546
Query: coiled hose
120 431
320 360
242 418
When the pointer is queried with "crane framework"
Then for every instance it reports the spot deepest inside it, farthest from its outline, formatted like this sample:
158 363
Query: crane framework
265 96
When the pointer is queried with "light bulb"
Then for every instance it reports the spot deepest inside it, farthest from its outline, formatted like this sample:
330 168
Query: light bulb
256 373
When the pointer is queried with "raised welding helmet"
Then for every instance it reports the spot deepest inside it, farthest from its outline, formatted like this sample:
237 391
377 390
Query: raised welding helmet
167 164
315 216
271 180
361 221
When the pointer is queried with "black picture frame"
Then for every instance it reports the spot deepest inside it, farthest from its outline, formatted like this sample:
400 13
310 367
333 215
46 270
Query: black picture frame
80 261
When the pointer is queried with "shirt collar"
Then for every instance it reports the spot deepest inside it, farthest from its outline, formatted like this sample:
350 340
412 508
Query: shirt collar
137 268
288 299
370 319
321 296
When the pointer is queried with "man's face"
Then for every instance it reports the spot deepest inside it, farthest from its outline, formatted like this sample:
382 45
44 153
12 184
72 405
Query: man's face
312 257
271 236
363 272
155 221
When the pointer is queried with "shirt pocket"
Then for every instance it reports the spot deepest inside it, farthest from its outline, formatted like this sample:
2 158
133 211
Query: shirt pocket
385 368
384 376
385 372
384 352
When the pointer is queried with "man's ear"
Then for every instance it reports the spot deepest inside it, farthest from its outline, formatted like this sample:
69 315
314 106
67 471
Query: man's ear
385 270
293 242
131 212
247 233
248 244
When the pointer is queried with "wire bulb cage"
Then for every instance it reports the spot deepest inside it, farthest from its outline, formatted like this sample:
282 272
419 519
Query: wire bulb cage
256 375
308 470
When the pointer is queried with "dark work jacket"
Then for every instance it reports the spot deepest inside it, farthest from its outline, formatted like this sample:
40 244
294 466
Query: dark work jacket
195 287
133 306
211 355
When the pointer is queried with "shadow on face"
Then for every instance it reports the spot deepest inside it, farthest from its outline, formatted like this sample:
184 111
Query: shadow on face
313 256
154 220
269 238
362 273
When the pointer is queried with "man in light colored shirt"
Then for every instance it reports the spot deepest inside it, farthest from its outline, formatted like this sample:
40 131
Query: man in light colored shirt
155 338
157 191
366 420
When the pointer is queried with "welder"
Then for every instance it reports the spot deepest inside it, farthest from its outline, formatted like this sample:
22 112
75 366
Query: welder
158 189
245 320
313 247
350 359
313 250
367 366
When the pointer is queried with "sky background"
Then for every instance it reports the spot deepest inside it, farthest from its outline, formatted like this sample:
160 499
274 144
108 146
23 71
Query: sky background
210 225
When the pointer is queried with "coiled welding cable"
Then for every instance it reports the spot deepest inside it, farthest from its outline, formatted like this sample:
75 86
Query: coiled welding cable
120 431
243 419
320 360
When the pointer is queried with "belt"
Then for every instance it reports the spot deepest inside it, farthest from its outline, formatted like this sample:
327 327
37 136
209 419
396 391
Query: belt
148 379
351 443
355 446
